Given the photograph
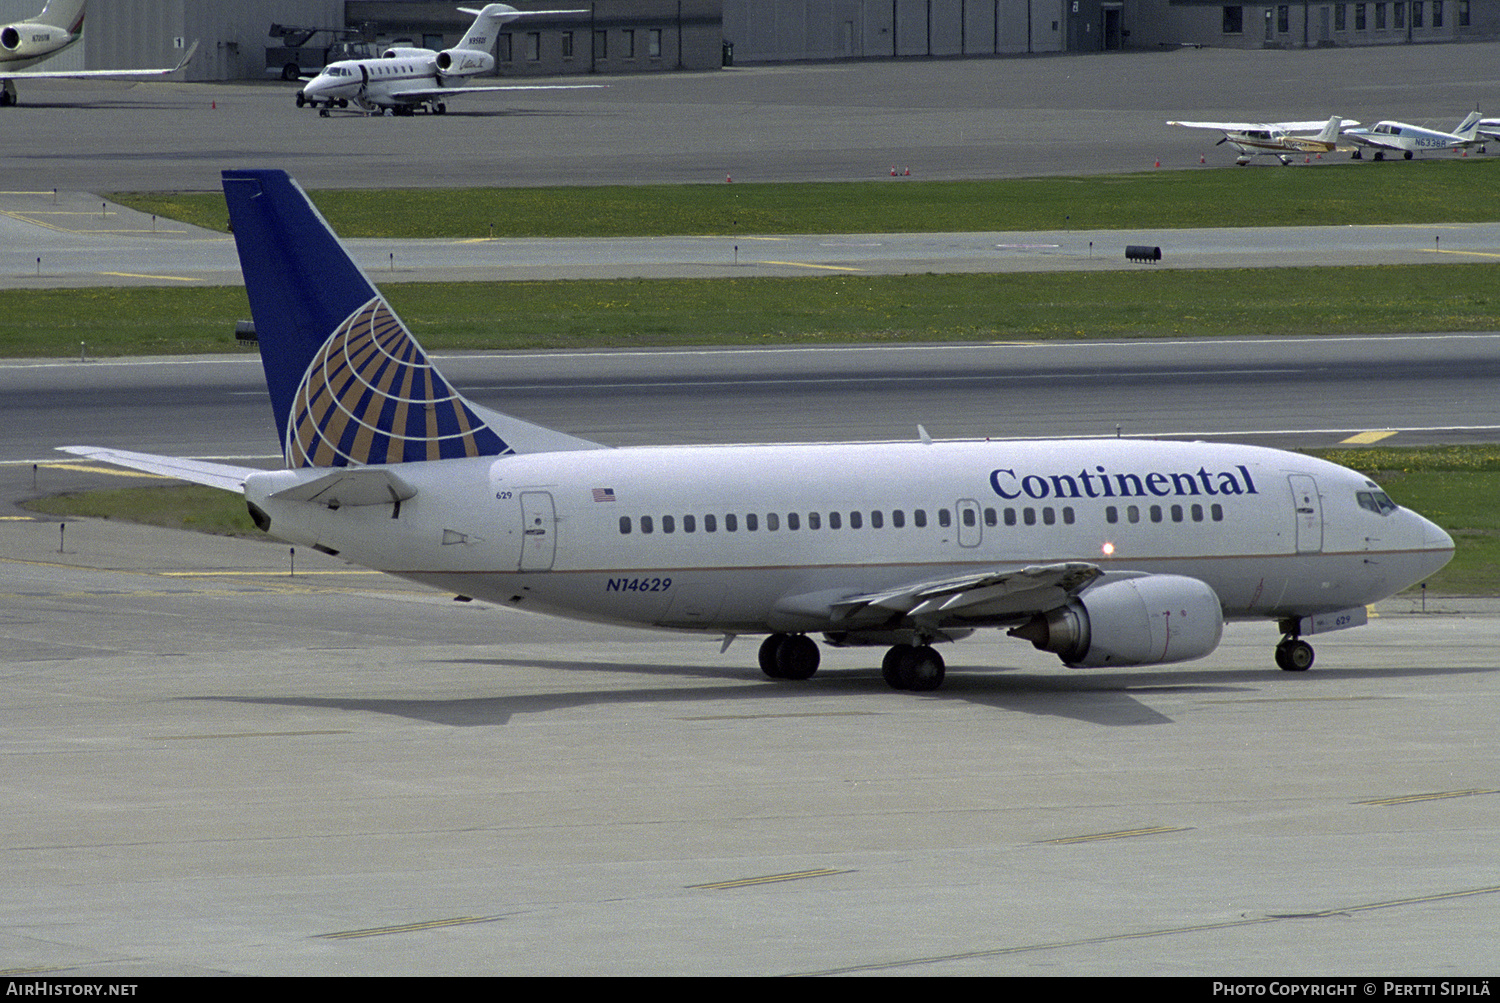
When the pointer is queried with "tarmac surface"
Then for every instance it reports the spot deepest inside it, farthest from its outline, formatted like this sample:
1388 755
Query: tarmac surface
218 766
941 119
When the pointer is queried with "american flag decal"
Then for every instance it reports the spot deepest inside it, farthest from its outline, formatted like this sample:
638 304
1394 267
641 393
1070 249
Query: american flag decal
604 494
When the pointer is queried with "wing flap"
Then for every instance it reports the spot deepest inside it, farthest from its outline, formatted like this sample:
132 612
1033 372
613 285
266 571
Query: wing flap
999 596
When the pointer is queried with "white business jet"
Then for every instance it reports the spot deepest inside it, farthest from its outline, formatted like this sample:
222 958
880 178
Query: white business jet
1407 140
1107 553
26 43
1277 139
405 79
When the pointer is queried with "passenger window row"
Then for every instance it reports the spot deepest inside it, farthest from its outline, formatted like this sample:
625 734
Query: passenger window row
773 522
1156 513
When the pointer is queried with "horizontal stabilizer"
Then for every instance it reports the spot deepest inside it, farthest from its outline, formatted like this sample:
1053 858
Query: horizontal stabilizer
351 486
213 475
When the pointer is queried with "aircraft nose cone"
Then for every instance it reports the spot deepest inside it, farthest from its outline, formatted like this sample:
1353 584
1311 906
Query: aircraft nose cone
1437 545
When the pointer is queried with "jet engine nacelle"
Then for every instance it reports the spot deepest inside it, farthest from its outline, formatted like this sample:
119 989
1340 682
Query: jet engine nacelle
31 39
464 62
1135 621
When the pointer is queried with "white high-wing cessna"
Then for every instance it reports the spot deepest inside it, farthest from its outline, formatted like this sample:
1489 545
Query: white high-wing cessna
404 79
1398 137
25 43
1107 553
1277 139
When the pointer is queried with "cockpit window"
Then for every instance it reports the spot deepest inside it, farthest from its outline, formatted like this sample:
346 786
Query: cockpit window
1376 501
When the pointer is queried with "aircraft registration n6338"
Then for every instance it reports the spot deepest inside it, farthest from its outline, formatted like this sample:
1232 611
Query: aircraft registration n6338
1108 553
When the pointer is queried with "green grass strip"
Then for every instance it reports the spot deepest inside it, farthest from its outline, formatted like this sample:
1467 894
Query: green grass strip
1433 190
835 309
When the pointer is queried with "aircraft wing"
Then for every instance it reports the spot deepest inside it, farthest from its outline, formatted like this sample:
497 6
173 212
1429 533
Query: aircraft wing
986 597
414 94
1365 137
1313 126
214 475
1229 126
102 74
1002 593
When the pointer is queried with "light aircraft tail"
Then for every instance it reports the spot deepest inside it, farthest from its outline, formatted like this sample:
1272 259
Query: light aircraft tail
1468 127
349 384
1330 133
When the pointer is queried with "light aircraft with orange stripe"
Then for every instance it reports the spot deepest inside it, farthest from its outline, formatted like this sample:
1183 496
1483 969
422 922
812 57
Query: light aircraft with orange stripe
1278 139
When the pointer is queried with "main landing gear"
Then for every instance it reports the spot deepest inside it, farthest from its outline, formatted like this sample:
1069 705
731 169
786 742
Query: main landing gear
1294 654
906 666
789 656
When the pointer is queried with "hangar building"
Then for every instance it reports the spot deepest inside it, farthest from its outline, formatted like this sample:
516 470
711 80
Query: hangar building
642 36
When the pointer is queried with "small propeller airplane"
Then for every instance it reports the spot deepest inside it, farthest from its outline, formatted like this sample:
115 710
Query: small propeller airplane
1398 137
405 79
1277 139
57 27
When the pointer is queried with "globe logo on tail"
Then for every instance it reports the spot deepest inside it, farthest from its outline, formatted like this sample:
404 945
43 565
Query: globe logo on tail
370 396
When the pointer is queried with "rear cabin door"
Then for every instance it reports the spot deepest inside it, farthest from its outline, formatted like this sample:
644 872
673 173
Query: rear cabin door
539 531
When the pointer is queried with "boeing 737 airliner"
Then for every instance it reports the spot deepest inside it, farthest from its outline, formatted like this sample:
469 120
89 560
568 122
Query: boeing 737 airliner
1107 553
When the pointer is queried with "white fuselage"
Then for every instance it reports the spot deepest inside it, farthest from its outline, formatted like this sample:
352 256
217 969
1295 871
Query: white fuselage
718 538
1410 138
371 83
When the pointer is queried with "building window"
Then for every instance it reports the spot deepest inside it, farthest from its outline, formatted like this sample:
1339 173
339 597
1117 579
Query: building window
1284 18
1359 17
1379 16
601 45
1339 21
503 50
1463 13
1437 13
1416 15
533 45
653 43
567 45
1398 16
627 44
1234 20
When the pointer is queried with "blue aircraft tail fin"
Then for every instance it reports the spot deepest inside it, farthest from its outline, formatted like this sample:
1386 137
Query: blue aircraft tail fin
349 384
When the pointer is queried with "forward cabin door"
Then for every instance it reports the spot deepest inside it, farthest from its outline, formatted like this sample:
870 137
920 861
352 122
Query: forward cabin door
539 531
1308 511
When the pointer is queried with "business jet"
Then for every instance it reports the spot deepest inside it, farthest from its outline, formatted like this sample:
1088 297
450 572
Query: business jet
1277 139
1106 553
406 79
1398 137
26 43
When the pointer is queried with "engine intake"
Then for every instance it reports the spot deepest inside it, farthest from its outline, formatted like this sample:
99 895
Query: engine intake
1136 621
30 39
